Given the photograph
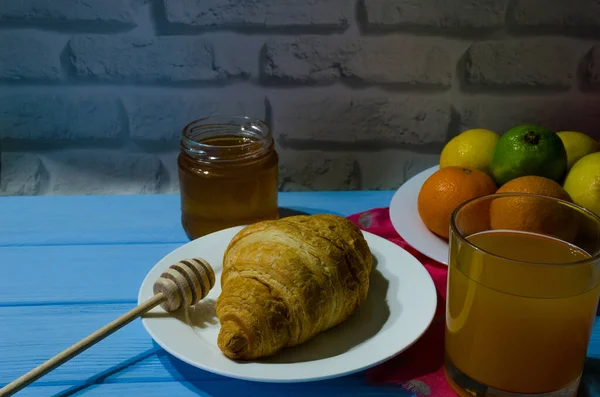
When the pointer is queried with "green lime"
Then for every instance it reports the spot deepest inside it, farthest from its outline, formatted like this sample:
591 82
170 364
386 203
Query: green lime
529 150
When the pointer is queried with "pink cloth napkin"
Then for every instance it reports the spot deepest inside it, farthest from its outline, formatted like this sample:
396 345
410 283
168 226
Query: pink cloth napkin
419 368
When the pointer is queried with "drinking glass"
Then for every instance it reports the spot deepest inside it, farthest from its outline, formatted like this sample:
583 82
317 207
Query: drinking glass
523 289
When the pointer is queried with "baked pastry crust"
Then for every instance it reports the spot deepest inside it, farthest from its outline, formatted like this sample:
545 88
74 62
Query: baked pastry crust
287 280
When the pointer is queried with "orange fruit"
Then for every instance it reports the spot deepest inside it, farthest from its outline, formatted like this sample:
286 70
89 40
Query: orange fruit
445 190
535 185
533 214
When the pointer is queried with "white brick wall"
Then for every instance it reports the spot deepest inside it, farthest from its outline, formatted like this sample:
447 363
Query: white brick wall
362 94
434 14
261 14
373 60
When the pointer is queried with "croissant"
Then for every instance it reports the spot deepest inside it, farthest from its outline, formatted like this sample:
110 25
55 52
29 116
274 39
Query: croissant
285 281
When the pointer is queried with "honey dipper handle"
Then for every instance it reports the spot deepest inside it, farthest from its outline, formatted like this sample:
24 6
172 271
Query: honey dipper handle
80 346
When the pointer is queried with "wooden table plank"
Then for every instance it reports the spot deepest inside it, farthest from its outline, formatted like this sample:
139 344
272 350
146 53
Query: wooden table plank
124 236
31 334
238 388
138 218
108 272
163 367
47 391
77 273
215 389
591 377
594 345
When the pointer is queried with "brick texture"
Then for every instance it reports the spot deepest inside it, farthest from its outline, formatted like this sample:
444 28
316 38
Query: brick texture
542 15
315 170
591 69
361 94
169 179
20 174
260 13
150 60
435 14
110 12
162 117
388 169
360 119
542 63
102 172
28 56
556 114
61 117
323 60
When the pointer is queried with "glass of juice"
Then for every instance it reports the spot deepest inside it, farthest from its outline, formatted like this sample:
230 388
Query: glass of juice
523 290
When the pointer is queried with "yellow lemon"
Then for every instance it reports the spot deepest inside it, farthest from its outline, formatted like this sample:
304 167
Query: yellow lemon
583 182
471 149
578 145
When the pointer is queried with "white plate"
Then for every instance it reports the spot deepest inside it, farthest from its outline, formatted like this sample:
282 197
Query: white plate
399 308
405 218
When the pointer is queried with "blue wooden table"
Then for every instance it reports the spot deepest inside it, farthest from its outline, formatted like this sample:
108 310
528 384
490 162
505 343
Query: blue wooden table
72 264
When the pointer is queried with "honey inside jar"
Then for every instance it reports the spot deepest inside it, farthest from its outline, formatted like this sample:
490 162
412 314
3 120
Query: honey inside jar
228 174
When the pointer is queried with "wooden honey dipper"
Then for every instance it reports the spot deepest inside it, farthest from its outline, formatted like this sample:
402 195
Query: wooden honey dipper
182 284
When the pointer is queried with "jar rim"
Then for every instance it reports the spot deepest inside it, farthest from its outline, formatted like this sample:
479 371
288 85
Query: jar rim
258 131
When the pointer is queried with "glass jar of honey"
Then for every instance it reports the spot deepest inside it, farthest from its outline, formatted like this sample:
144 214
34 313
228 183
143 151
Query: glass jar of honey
228 174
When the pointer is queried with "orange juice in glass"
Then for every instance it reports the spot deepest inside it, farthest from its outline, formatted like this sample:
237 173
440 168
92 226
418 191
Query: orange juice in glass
523 289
